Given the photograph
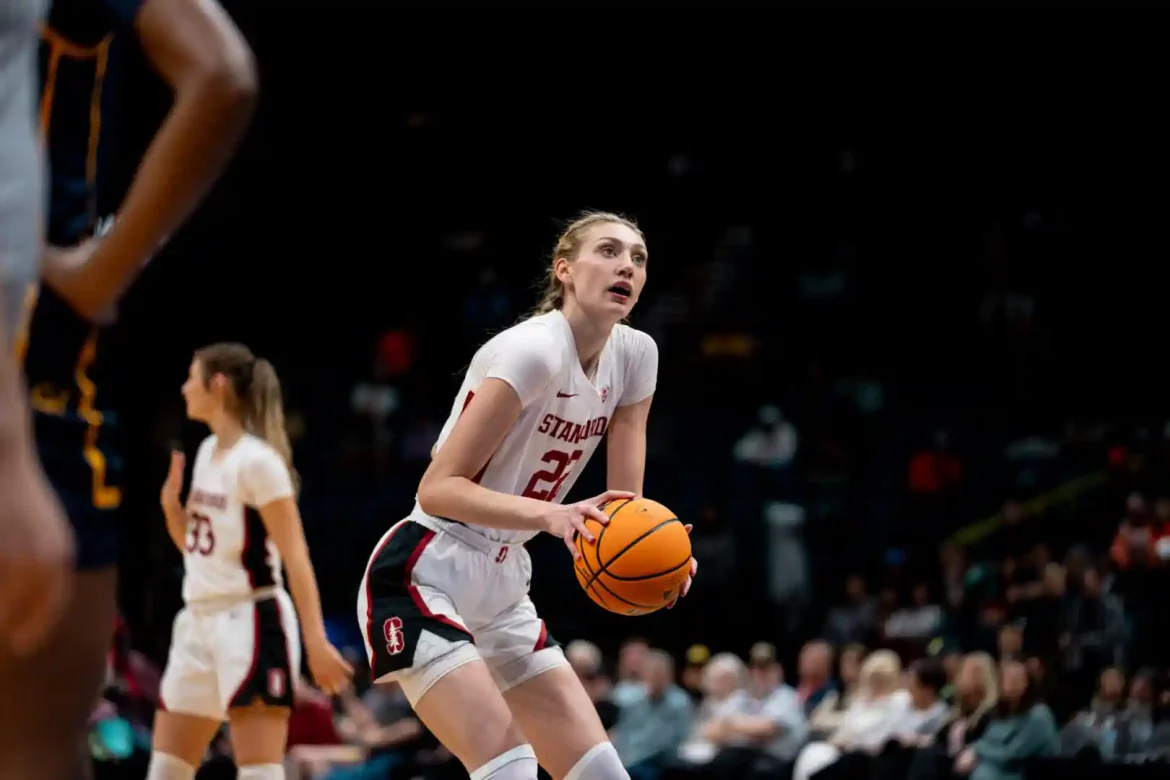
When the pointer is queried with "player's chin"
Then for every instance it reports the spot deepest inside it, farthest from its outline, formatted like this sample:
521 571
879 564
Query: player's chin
618 305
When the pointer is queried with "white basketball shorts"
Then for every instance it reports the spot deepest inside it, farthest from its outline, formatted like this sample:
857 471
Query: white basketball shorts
232 656
435 598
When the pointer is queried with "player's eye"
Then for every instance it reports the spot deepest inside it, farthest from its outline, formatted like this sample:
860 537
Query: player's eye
607 250
639 258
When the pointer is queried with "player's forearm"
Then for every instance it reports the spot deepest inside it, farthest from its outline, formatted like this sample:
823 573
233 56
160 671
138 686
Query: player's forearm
191 149
626 449
626 464
302 582
458 498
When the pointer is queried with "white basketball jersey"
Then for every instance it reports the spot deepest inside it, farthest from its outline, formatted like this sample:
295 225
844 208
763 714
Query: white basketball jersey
565 413
228 550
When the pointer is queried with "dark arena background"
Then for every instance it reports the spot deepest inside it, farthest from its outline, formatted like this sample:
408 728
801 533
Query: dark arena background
910 394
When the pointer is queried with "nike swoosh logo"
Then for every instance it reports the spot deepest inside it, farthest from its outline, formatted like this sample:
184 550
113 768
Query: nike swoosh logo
566 395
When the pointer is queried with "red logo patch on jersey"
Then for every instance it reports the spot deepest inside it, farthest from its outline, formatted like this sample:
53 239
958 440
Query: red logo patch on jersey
277 683
502 555
604 393
392 633
565 395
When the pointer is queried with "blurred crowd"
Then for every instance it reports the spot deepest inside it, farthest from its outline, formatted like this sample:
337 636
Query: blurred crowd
1022 666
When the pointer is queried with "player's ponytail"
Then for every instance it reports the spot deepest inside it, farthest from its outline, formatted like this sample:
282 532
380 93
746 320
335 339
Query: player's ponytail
266 411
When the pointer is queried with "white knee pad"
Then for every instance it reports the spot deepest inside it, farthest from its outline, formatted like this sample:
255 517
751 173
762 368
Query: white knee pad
164 766
519 763
417 681
600 762
261 772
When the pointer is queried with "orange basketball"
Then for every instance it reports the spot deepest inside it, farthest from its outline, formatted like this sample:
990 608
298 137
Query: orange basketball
640 559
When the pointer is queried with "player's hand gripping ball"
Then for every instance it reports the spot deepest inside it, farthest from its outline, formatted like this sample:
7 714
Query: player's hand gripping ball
640 561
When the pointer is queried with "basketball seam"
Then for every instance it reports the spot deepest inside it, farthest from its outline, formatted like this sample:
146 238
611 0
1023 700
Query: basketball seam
640 577
597 545
590 578
647 607
592 587
605 566
601 535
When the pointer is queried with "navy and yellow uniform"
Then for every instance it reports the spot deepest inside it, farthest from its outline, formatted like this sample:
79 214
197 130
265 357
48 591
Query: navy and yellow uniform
64 354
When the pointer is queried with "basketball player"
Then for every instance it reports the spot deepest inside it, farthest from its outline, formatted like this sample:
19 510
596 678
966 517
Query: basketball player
35 541
196 49
444 603
235 650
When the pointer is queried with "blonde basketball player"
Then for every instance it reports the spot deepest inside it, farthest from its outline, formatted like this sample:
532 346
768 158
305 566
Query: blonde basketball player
444 603
235 650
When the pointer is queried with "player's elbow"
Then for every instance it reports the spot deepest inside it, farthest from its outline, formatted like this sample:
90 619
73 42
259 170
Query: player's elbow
430 495
225 83
234 84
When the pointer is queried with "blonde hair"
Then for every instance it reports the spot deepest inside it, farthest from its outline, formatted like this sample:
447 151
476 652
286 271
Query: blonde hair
987 671
568 245
255 395
884 664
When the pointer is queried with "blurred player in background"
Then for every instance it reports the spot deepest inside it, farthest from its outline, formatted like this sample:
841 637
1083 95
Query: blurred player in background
197 50
444 603
236 649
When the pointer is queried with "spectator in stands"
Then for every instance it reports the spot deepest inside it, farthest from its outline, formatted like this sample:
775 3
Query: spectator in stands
655 720
1047 617
313 742
585 659
630 685
816 675
826 718
697 658
771 443
1111 728
918 727
1096 635
856 619
1110 696
920 620
1142 581
928 711
761 727
868 723
311 719
1011 642
950 654
1022 729
724 675
382 724
1137 535
976 693
1135 726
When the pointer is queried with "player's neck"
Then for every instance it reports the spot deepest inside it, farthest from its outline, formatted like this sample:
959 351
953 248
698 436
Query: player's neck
226 428
589 337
